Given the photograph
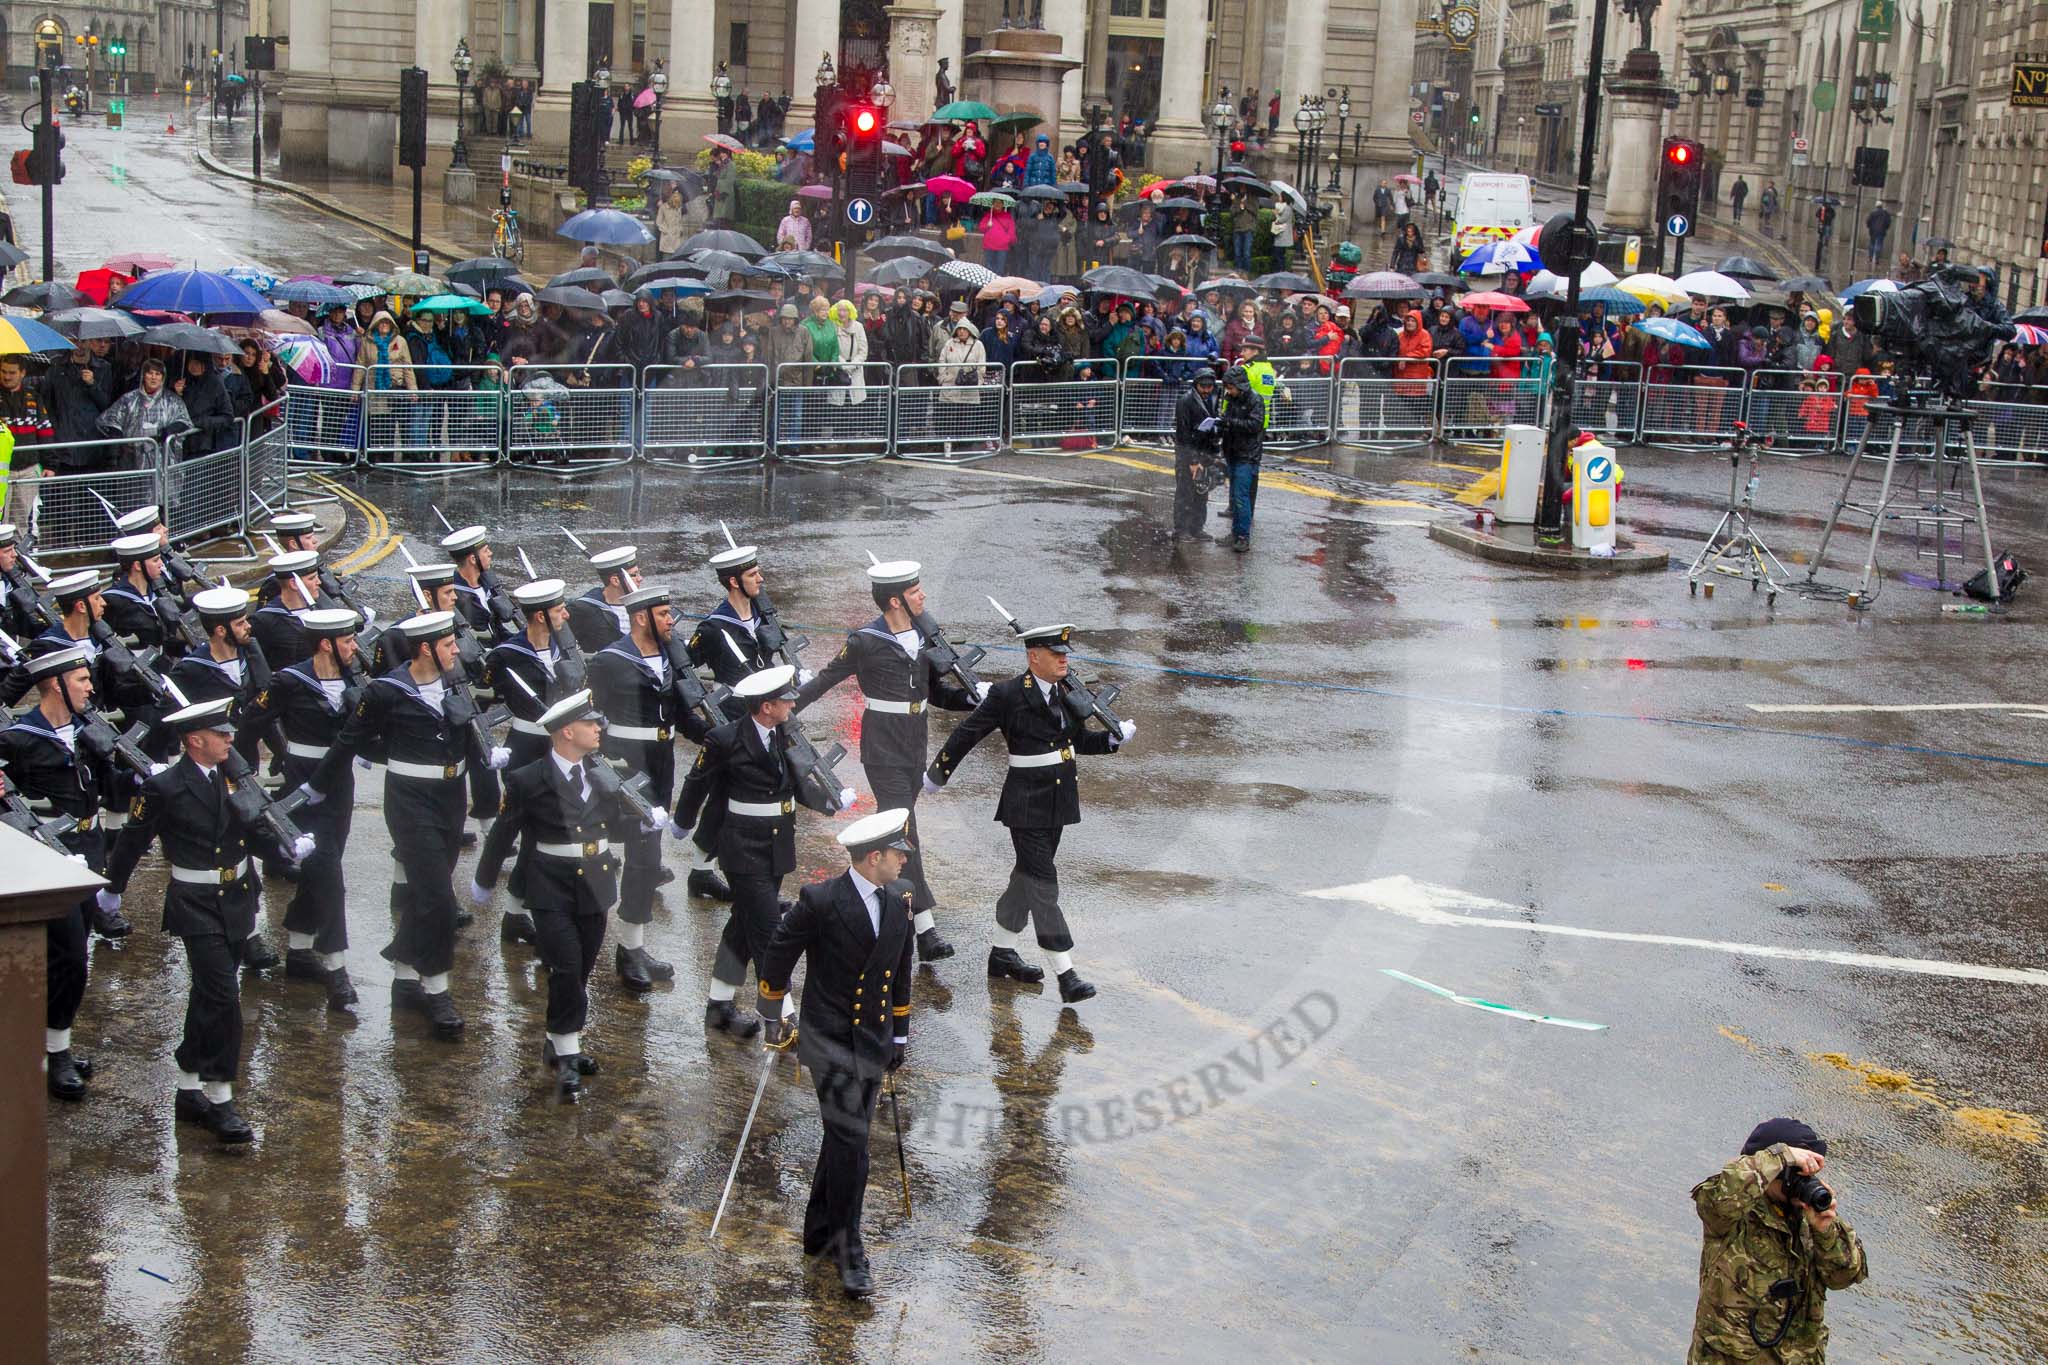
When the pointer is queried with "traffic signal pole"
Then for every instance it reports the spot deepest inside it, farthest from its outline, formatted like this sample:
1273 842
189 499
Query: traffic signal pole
46 77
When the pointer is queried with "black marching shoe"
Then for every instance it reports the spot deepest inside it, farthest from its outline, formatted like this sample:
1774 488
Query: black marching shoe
463 919
341 992
854 1276
1073 989
440 1012
258 956
110 923
708 884
1005 962
192 1106
517 927
224 1123
305 964
468 838
67 1082
663 876
406 994
726 1017
655 968
632 973
932 945
586 1065
568 1083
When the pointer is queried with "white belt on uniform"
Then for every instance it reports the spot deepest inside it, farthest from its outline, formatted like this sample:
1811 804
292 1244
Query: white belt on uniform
210 876
651 734
587 850
896 708
769 809
298 750
528 727
1041 760
432 772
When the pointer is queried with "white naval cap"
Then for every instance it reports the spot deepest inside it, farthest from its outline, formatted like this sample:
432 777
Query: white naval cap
883 829
128 549
220 604
542 592
293 562
464 538
146 515
770 684
328 623
570 709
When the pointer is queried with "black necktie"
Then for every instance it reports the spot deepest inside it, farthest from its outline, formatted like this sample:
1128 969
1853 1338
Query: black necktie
583 781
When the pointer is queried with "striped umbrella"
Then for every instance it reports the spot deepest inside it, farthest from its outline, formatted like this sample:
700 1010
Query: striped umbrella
2030 334
965 274
21 336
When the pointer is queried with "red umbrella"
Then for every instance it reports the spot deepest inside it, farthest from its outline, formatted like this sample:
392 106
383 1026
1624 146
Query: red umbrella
815 192
1493 298
134 262
730 143
951 186
97 284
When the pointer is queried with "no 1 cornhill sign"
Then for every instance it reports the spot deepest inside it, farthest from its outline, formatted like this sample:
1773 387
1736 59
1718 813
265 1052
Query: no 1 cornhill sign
2030 80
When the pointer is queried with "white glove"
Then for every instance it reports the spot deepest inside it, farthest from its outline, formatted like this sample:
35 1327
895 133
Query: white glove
1130 729
156 768
302 848
980 692
846 796
313 798
364 763
931 788
499 756
657 822
477 894
1206 424
78 858
804 676
106 900
369 617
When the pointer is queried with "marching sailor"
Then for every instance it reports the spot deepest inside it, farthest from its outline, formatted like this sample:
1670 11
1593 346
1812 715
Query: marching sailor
1040 798
597 617
900 684
561 807
211 901
131 599
178 570
230 664
743 785
728 640
78 605
477 589
855 1022
23 613
275 624
529 672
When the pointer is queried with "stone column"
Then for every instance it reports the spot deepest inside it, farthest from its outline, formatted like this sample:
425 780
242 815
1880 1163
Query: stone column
1301 59
308 82
952 44
1635 139
1069 19
1095 75
816 32
1388 147
915 46
565 60
1181 138
688 111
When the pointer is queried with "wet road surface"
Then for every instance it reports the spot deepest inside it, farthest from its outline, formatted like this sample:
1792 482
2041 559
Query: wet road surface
1254 1140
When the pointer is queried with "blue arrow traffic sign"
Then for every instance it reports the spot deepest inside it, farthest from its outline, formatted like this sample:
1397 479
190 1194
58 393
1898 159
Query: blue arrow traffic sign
860 212
1599 469
1678 225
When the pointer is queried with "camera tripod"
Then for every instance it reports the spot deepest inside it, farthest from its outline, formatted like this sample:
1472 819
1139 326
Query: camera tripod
1735 547
1939 515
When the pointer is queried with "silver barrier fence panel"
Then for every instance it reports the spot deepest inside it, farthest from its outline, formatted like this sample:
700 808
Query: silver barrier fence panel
1679 411
267 466
1152 388
457 429
1608 400
1480 404
68 518
202 493
948 414
826 416
2012 424
704 417
1384 404
1800 412
326 421
565 418
1298 412
1066 416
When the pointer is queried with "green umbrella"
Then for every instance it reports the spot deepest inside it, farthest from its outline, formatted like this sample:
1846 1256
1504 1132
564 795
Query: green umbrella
1017 121
990 199
409 285
451 303
961 110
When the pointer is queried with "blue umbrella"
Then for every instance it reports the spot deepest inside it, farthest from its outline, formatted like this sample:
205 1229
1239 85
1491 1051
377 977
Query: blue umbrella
313 293
256 277
1620 303
1671 329
1496 258
802 142
191 291
608 226
1862 287
681 287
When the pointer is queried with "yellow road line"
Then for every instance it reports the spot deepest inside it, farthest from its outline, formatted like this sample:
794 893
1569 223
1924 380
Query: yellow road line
378 544
1267 480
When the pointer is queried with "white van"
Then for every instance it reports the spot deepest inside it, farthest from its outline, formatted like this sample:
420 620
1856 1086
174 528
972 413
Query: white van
1489 206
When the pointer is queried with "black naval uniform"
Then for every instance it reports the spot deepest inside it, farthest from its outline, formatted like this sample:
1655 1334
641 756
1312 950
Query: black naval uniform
596 622
901 685
279 635
728 646
549 676
134 616
211 900
55 777
572 875
425 749
744 790
310 712
26 613
855 1012
638 698
473 604
1040 794
201 677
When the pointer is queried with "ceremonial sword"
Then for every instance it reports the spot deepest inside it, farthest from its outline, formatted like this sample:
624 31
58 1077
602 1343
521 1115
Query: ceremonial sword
760 1087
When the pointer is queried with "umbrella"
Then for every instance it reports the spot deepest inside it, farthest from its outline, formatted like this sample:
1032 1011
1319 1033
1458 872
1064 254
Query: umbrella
1383 284
1194 240
723 239
950 186
664 270
1671 329
1229 286
1862 287
408 284
691 181
451 303
1711 284
1619 303
1292 281
2030 334
608 226
1071 187
467 291
815 192
805 141
236 78
307 358
1437 279
900 270
184 336
747 295
135 262
966 274
481 269
1290 194
584 277
1178 201
806 263
1494 258
19 336
914 187
257 278
961 110
615 298
1940 243
992 199
1207 182
1493 298
92 324
1051 192
715 262
731 144
1653 289
1766 299
1119 279
277 321
376 277
680 287
1745 268
569 296
312 293
11 255
2037 314
98 285
1014 122
193 291
1404 178
1053 294
645 99
1246 184
894 148
1007 284
1805 284
1833 201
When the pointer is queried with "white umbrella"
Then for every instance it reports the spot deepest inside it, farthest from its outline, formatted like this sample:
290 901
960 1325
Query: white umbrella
1544 284
1292 195
1653 287
1712 284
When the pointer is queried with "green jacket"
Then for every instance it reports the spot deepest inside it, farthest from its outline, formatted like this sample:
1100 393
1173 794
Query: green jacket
824 338
1751 1243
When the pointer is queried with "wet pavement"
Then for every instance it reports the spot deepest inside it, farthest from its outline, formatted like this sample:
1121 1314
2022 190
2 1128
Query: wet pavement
1545 791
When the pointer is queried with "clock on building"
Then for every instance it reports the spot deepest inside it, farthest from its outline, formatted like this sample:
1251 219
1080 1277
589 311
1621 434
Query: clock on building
1461 24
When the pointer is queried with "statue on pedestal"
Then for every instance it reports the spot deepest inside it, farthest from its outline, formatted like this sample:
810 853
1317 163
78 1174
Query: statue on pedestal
1643 12
945 85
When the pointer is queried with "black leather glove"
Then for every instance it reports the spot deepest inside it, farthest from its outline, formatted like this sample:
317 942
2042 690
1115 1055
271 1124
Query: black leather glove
774 1031
896 1055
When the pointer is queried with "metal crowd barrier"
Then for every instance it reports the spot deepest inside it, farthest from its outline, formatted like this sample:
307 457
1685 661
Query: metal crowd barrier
832 418
705 416
2012 424
1299 412
1152 387
1681 412
68 518
204 494
570 418
423 431
266 466
326 422
948 414
1800 411
1479 405
1386 404
1608 400
1067 416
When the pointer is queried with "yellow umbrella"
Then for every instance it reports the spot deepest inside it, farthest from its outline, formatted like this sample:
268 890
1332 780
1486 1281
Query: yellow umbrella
1654 289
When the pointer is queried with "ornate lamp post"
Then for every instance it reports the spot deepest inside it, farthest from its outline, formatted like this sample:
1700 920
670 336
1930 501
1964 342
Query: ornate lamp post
721 93
658 83
1220 114
1342 101
462 62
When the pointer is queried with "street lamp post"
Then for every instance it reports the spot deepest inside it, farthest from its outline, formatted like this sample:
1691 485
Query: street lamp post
658 83
1220 114
721 95
1521 141
1342 100
1869 96
462 62
1308 141
601 181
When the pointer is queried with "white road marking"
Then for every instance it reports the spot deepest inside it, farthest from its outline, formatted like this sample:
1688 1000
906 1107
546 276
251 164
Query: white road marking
1447 906
1833 708
1491 1006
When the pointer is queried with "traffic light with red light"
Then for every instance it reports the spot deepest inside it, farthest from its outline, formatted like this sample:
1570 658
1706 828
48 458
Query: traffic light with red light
862 125
1678 179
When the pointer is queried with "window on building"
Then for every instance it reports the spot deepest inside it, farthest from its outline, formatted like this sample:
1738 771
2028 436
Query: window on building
1126 9
1158 9
639 22
512 42
736 45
